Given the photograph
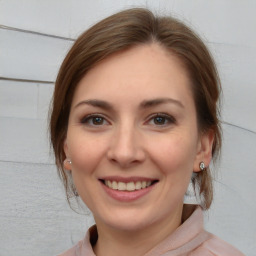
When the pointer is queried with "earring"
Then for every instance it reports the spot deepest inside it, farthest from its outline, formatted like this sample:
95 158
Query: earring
67 164
202 166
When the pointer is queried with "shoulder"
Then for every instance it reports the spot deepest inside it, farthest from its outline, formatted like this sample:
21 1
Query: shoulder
214 246
72 251
84 246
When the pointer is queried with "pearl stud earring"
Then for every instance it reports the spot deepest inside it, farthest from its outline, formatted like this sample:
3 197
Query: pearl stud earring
67 164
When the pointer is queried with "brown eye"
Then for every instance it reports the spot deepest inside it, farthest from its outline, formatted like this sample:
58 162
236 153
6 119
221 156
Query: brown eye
97 120
94 120
160 120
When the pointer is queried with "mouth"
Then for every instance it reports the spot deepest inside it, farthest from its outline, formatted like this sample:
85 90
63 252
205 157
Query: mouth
128 186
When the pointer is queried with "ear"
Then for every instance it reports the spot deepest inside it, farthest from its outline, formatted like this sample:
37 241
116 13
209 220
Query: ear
67 162
65 148
204 150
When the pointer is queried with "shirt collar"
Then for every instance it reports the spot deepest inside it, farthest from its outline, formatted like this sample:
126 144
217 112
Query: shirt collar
185 233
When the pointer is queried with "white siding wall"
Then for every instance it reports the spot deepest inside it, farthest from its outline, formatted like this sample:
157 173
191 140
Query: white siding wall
34 216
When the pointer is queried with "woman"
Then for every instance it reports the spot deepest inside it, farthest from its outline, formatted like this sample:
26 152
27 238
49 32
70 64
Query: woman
134 120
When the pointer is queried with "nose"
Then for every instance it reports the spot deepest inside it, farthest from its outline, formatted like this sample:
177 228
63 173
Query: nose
126 148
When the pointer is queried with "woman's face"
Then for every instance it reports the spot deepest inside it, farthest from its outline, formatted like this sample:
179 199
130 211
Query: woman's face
133 138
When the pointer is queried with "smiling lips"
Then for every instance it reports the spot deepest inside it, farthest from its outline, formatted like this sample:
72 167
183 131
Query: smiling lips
127 190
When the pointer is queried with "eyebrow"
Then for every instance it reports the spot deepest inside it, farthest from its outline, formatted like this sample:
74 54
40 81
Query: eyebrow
95 103
155 102
144 104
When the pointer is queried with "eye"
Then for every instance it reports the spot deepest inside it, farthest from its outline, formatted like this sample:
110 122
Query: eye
94 120
161 119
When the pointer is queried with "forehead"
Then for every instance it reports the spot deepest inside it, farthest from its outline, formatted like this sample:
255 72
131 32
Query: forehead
139 72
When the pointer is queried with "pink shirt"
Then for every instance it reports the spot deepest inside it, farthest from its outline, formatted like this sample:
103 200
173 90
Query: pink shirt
189 239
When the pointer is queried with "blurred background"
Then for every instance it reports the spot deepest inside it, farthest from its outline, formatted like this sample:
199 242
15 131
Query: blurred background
35 218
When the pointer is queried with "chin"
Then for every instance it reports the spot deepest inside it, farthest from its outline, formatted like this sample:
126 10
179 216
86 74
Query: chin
130 225
126 220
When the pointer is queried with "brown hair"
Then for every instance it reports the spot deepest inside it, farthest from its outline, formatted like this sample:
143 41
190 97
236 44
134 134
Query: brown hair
122 31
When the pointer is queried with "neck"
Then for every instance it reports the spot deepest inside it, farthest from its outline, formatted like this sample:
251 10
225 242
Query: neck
113 241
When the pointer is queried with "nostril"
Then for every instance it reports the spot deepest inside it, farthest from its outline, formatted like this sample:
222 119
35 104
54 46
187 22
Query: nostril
125 149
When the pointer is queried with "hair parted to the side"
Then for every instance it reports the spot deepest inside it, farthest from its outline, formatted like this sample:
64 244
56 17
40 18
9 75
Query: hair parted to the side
119 32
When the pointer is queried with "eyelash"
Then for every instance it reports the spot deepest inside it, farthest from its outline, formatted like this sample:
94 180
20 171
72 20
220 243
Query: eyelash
166 118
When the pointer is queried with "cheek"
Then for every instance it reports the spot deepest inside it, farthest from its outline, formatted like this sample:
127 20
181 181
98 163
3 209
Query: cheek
85 152
176 155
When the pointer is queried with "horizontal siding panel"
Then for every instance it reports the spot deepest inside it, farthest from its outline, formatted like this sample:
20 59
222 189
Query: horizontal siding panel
61 18
18 99
236 66
24 140
34 215
45 92
38 237
229 21
25 100
51 17
29 56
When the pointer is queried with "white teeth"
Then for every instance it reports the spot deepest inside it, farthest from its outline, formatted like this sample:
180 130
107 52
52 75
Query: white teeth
121 186
130 186
138 185
148 183
114 185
